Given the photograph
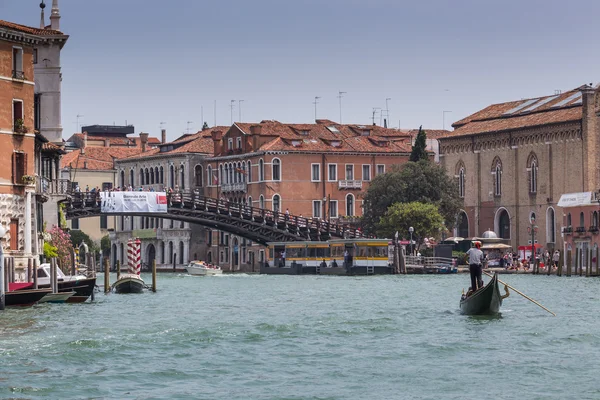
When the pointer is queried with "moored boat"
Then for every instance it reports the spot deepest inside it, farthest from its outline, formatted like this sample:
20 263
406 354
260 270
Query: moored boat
200 268
82 285
485 301
60 297
25 297
129 283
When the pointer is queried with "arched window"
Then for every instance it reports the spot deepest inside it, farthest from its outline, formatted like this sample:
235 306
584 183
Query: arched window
249 201
249 171
162 252
141 176
463 224
532 170
147 176
152 176
210 180
172 176
181 252
156 176
461 183
502 223
198 174
230 173
569 220
170 252
581 219
550 226
497 175
221 176
162 175
261 170
276 203
122 179
261 201
182 176
244 172
276 169
350 204
131 180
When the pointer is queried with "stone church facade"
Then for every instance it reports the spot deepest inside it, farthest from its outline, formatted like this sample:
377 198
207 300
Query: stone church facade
512 161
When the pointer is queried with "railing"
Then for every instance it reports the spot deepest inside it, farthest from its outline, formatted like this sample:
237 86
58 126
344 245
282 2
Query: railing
20 75
593 229
49 186
580 229
234 187
568 230
350 184
429 261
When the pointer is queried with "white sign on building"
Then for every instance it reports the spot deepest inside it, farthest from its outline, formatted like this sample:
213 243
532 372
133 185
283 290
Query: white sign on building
575 199
133 202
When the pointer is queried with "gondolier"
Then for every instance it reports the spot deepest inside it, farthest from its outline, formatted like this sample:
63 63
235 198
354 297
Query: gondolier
475 260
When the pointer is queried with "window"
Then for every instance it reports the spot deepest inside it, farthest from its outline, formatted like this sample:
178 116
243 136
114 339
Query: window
182 177
261 201
198 174
147 177
316 208
333 208
35 56
230 144
152 175
14 234
366 172
533 177
103 222
37 112
209 238
75 223
131 181
261 170
276 203
238 142
180 252
315 175
461 183
122 178
18 117
569 219
332 172
349 205
162 175
380 169
497 175
249 171
581 220
141 176
349 172
17 70
276 169
19 165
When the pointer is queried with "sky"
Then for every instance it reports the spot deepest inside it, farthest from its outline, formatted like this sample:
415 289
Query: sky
163 63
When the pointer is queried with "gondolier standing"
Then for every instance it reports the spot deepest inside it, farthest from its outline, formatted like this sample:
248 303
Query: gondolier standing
475 261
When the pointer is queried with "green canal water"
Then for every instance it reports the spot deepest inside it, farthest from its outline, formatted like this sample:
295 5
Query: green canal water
307 337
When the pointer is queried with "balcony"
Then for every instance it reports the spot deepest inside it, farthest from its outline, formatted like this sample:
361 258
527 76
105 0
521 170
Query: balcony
567 230
19 75
234 187
49 186
580 229
594 229
350 184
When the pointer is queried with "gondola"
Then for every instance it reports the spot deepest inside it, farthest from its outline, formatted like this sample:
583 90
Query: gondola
485 301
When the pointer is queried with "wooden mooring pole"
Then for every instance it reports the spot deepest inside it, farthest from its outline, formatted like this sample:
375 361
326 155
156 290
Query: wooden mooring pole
118 269
53 275
106 276
35 279
154 275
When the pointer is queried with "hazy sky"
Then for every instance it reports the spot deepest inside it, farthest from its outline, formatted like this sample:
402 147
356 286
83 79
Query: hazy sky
150 61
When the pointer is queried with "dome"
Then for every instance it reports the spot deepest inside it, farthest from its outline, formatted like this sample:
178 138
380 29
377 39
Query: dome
489 235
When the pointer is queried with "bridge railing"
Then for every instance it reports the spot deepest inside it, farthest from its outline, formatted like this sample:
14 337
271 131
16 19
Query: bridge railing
278 219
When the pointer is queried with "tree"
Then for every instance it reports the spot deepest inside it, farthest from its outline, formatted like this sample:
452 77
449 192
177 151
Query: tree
60 241
423 217
421 181
419 150
105 245
77 237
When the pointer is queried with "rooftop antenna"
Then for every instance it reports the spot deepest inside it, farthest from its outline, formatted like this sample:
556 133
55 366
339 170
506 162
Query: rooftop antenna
202 116
188 126
387 109
215 109
444 119
374 113
315 103
240 109
232 105
78 116
340 95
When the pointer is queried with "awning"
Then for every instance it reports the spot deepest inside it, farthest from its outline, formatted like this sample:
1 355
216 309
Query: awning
575 199
495 246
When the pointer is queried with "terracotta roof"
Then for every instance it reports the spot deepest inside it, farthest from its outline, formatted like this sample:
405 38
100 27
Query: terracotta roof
431 133
360 144
524 113
29 29
51 147
133 141
197 144
98 158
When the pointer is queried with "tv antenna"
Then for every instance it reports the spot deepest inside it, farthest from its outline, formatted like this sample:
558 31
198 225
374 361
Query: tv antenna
78 116
232 105
374 113
340 95
188 126
387 110
315 103
240 109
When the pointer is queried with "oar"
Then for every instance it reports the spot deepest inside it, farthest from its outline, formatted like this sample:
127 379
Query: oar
522 294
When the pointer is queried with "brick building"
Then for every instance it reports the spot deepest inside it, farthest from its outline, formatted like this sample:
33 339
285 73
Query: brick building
314 170
513 161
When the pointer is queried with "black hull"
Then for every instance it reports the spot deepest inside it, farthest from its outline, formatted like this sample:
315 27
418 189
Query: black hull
129 285
486 301
24 297
83 289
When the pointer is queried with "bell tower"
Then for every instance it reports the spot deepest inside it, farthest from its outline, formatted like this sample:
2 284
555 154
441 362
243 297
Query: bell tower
48 77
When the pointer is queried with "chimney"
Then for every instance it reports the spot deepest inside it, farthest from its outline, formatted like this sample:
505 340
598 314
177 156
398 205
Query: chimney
106 142
144 140
217 136
84 140
85 165
255 129
163 135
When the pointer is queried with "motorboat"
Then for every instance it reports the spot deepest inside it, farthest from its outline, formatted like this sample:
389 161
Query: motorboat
82 285
60 297
200 268
129 283
25 297
23 292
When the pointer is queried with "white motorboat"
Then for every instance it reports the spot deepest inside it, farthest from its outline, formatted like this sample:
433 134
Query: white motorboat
203 269
81 284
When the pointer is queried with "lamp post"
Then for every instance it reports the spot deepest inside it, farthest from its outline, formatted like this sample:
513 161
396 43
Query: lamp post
2 283
411 230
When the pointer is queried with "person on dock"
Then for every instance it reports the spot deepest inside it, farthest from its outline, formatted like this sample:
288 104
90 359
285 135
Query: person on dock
283 257
475 260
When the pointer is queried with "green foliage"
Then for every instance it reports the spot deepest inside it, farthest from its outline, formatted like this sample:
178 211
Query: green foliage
422 181
426 252
105 245
460 256
423 217
419 150
79 236
50 251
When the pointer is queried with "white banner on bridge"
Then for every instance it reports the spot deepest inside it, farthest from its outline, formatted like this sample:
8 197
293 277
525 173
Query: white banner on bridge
133 202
